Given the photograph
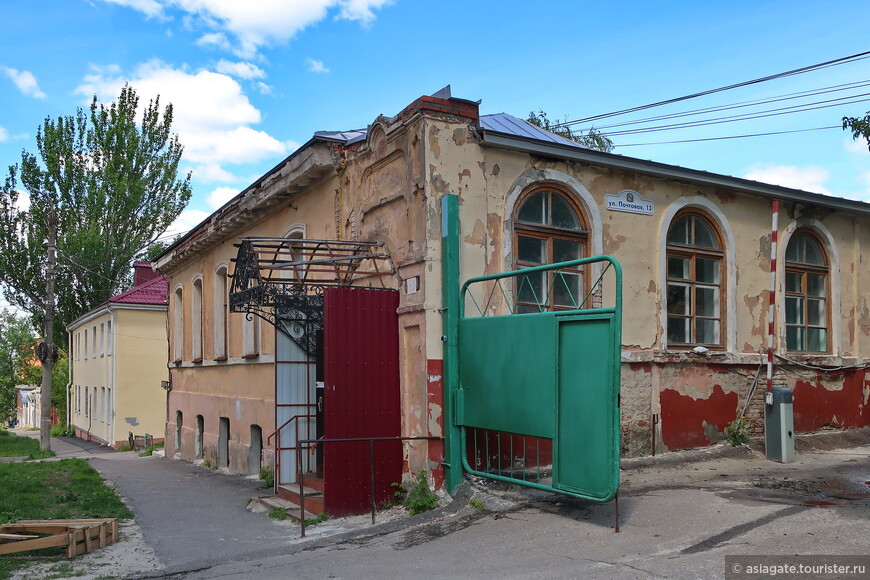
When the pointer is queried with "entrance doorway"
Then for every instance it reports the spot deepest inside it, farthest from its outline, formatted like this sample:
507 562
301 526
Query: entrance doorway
224 442
255 451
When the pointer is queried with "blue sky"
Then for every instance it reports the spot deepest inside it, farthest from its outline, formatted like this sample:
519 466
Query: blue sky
251 80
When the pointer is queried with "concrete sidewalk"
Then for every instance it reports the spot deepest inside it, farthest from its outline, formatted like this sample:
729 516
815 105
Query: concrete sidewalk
190 516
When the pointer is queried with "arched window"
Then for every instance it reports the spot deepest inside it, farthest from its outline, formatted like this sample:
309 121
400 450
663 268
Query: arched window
807 317
695 276
549 228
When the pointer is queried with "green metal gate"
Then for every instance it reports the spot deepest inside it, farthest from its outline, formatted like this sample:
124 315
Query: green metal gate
534 396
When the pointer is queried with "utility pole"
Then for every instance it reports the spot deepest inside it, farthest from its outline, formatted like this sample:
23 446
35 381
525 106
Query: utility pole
48 337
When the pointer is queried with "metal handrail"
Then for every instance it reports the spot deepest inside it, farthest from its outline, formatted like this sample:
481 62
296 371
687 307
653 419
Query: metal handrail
276 462
371 441
287 422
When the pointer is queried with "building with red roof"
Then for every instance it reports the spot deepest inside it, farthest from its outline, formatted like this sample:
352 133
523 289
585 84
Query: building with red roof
118 363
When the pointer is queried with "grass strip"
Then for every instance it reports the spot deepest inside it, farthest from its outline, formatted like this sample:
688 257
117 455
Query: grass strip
65 489
11 445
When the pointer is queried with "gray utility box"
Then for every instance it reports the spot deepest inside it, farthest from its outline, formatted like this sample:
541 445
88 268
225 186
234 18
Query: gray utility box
779 426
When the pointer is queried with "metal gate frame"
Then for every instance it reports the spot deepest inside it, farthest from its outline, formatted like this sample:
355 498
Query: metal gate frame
606 323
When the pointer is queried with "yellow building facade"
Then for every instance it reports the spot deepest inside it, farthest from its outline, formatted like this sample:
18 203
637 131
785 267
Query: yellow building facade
118 365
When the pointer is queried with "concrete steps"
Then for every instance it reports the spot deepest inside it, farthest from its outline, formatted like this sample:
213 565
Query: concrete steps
268 503
293 493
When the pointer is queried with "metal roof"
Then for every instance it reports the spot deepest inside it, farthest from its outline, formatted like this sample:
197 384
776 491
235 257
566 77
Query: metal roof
154 291
346 137
499 122
510 125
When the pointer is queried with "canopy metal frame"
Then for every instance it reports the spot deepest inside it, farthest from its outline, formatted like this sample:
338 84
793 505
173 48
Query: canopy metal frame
281 280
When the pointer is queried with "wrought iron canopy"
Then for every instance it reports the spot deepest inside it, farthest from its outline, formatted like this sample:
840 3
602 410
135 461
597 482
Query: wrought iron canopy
281 280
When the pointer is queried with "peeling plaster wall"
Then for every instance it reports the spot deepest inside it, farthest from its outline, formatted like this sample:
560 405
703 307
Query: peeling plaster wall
389 188
692 398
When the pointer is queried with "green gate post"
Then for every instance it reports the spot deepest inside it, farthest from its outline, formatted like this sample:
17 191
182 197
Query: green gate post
450 320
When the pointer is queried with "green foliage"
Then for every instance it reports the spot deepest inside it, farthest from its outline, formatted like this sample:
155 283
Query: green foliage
416 495
65 489
278 513
12 445
317 520
61 430
16 350
125 447
859 126
737 432
267 475
114 186
154 249
592 138
476 504
149 451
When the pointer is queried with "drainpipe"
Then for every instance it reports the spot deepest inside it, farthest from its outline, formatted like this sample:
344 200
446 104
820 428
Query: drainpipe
69 382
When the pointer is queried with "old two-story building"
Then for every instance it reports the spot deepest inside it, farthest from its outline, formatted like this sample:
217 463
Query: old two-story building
305 246
118 364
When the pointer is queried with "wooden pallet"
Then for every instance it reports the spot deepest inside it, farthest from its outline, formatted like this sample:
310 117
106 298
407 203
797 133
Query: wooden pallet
78 536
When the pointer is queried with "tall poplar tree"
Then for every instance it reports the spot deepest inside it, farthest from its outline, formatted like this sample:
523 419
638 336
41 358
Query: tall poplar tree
103 187
112 176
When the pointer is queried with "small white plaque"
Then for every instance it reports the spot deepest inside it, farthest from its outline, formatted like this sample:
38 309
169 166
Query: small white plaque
629 201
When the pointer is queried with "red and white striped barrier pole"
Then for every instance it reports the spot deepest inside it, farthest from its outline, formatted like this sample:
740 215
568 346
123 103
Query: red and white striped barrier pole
771 304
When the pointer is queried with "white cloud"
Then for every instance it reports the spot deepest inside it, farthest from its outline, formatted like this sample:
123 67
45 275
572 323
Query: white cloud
23 202
264 89
216 40
213 172
4 135
256 24
220 196
361 9
186 221
151 8
242 70
212 114
806 178
25 81
316 66
857 146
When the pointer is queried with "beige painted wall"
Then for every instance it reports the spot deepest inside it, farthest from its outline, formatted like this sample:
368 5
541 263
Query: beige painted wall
140 366
121 377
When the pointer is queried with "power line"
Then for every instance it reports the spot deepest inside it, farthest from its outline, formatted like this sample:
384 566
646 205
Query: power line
732 136
835 62
738 105
743 117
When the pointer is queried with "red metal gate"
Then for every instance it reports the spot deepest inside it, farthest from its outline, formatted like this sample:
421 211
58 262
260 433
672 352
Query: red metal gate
362 398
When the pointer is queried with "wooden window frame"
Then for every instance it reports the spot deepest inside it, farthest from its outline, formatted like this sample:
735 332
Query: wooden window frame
803 269
550 233
692 253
